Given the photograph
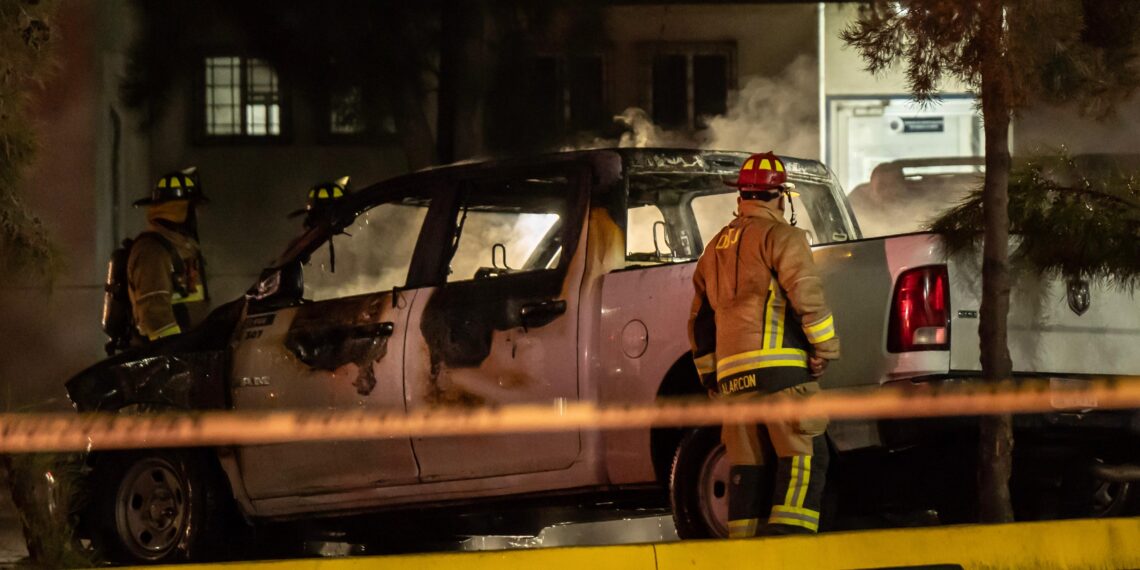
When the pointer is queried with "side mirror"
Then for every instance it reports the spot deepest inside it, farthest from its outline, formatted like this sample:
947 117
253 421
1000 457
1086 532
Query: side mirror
278 286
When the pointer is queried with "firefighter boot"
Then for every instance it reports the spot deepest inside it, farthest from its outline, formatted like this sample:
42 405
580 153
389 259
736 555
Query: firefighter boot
799 491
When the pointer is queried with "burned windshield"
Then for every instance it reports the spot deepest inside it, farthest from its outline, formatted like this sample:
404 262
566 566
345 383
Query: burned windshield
672 215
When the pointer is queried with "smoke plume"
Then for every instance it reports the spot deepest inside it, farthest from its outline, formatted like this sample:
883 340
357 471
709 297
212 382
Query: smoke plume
780 114
769 113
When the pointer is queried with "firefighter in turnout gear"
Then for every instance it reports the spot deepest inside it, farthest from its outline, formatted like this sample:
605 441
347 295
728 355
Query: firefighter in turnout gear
165 269
760 328
320 198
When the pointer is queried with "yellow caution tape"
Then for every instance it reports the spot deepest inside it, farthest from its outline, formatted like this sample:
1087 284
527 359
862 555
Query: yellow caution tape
1058 545
71 432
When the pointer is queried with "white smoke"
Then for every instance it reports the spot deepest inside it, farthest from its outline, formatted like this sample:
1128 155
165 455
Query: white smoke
769 113
779 113
643 133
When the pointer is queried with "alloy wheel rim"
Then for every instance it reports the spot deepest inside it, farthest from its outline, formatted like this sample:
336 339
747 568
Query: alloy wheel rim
152 508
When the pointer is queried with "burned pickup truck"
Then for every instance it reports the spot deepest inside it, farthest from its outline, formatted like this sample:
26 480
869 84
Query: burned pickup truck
560 277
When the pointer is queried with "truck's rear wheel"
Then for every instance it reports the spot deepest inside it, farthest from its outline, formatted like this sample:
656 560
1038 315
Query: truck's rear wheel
1112 498
698 485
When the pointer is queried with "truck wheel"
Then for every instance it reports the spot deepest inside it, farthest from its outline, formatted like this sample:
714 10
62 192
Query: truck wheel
1114 498
698 485
156 507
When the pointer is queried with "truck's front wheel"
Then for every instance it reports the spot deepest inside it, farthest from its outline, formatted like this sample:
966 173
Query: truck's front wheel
698 485
155 507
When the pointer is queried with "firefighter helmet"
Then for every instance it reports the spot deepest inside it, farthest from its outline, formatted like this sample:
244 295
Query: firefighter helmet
180 185
322 196
761 173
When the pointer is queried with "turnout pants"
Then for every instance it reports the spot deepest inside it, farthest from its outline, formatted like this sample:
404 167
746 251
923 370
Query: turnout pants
801 458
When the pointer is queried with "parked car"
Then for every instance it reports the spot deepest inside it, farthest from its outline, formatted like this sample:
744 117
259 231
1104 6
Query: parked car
904 196
564 276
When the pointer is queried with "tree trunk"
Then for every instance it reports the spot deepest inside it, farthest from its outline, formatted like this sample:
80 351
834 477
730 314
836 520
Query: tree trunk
996 445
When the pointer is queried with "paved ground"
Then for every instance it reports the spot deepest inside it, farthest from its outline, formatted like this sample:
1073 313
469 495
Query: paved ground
630 530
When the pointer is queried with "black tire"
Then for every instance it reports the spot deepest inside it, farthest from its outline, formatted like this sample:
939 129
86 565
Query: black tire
1065 485
698 485
157 507
1102 498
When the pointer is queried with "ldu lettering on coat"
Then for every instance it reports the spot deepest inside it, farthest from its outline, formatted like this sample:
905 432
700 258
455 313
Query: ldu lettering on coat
728 239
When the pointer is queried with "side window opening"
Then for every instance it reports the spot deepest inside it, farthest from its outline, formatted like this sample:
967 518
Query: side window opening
372 255
510 226
645 225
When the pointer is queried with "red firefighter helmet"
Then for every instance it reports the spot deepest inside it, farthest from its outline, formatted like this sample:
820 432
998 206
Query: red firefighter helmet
761 172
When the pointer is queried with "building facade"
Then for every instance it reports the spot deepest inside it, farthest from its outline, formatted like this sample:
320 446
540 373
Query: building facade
735 76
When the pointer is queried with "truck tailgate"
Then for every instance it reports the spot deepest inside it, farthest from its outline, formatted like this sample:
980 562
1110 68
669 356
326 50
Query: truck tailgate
1048 331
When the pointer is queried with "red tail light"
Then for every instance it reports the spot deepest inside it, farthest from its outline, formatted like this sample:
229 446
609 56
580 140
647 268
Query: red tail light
920 311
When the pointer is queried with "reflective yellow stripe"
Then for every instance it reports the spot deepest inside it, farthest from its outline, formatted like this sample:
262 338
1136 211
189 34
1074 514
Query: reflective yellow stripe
821 331
796 363
794 476
705 364
804 518
820 325
808 513
774 317
198 294
806 480
168 330
729 360
743 528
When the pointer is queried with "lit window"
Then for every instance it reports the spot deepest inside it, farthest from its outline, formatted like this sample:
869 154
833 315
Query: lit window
243 97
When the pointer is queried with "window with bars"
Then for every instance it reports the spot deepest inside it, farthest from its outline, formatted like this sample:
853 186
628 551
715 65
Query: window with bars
243 98
687 83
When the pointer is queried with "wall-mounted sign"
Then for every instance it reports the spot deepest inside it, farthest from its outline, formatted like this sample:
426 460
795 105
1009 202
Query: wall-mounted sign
923 124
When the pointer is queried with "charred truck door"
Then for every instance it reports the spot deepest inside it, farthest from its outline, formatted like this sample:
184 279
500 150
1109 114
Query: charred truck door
338 348
504 328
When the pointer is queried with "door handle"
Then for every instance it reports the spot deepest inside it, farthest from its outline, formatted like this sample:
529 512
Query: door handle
373 330
541 313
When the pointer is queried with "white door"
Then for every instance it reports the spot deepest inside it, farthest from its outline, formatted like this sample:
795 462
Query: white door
341 347
865 132
504 328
